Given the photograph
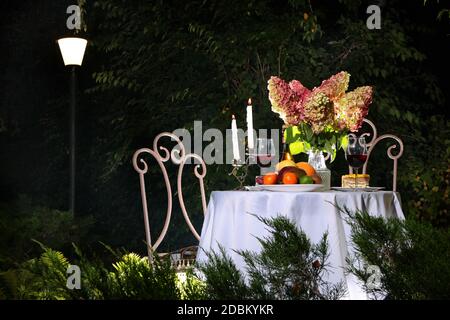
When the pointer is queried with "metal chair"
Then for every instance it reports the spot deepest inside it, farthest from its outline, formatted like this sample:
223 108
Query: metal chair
178 156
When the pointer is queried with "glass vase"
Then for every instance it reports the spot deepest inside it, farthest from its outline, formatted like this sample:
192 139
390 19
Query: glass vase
317 160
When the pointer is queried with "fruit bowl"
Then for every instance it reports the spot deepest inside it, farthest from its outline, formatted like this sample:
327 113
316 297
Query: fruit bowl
290 176
287 187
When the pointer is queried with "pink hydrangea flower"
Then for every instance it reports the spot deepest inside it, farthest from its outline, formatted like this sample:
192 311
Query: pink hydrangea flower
318 111
286 99
326 105
334 87
352 108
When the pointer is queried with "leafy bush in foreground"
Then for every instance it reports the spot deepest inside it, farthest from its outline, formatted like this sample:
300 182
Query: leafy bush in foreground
131 277
288 267
412 256
413 259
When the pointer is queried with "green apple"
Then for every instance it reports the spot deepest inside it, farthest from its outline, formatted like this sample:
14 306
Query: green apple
306 180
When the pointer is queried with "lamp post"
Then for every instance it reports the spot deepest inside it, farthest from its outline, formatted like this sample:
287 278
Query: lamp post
72 50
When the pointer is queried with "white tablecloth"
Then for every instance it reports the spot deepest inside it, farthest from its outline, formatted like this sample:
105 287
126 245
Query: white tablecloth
230 222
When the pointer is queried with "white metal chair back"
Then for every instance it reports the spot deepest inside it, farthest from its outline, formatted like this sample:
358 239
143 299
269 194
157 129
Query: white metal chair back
178 156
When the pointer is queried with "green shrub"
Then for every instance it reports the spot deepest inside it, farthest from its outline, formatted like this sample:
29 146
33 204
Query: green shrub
288 267
130 277
134 278
413 256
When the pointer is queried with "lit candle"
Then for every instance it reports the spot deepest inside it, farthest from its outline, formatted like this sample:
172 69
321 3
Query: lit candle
234 136
250 124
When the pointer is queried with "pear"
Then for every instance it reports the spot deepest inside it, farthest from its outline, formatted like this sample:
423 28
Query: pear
285 163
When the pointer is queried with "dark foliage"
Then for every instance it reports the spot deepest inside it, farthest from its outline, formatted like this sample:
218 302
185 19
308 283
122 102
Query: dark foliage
22 221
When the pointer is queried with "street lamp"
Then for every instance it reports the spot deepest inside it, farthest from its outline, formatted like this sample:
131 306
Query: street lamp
72 50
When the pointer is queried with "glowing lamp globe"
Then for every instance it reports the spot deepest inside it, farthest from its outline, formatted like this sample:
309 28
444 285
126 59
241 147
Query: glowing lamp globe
72 50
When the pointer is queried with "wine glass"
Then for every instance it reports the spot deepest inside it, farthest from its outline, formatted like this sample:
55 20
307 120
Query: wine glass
265 152
356 152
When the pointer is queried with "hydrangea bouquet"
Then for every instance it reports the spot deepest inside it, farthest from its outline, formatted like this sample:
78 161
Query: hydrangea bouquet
319 119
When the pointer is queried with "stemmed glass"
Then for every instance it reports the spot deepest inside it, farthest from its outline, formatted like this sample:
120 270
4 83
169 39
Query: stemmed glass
356 153
265 152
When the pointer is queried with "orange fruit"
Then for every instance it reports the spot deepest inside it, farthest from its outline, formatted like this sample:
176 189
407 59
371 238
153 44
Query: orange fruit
270 178
305 166
290 178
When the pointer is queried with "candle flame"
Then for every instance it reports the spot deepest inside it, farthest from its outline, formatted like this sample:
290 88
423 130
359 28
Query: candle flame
249 101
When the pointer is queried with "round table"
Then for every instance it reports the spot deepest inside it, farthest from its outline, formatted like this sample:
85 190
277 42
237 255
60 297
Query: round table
230 222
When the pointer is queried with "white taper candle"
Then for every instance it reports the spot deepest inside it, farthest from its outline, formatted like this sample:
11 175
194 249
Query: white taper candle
234 136
250 124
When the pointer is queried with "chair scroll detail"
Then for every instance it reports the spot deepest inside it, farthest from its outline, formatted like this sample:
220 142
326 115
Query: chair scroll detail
178 156
390 155
200 177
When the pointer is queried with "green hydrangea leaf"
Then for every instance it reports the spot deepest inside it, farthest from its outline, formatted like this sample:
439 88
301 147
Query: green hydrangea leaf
344 142
296 147
291 134
329 148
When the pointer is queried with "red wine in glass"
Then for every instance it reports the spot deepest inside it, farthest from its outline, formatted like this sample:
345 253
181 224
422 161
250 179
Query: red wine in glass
264 160
265 151
356 160
356 153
